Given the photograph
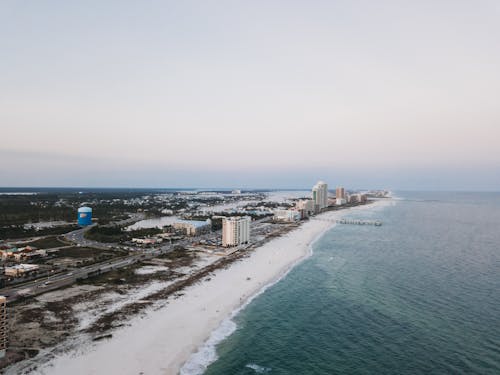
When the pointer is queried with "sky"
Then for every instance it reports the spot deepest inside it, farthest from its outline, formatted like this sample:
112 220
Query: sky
274 94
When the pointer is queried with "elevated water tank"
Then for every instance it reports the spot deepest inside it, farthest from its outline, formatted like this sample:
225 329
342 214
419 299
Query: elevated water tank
84 216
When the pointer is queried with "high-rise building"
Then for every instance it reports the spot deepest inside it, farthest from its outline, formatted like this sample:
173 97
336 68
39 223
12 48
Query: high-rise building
340 193
3 326
320 195
235 230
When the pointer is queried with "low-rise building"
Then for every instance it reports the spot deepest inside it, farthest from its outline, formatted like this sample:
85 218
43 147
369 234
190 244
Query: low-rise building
340 201
287 215
147 240
305 207
20 270
26 252
357 198
21 253
9 253
193 227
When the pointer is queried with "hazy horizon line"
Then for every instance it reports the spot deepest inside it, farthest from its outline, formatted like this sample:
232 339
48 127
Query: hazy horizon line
212 188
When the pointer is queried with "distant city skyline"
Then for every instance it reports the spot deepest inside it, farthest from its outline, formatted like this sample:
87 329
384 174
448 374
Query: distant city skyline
263 94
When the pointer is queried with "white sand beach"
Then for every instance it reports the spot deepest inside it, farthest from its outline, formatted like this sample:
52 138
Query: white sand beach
163 340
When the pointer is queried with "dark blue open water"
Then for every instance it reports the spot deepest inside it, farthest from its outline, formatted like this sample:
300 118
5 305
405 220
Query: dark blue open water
419 295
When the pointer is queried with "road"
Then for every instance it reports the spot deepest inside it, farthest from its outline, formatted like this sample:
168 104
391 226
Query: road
78 236
59 280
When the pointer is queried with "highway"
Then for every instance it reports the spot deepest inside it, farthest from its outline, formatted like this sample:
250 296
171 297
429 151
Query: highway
62 279
78 237
59 280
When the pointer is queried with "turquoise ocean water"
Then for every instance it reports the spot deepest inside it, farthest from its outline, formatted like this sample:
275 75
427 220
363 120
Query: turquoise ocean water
419 295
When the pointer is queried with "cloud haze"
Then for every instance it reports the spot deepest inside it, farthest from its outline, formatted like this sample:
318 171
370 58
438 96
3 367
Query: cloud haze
262 93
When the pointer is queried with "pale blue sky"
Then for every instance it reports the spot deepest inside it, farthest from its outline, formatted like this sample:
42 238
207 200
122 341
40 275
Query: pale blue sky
397 94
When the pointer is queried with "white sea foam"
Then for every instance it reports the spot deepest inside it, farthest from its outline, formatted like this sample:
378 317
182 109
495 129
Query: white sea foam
207 353
162 340
258 369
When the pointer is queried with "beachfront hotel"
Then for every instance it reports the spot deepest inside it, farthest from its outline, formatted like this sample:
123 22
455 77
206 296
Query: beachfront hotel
340 196
3 326
320 195
340 192
235 230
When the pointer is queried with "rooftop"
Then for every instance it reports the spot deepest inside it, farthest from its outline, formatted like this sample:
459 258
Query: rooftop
195 223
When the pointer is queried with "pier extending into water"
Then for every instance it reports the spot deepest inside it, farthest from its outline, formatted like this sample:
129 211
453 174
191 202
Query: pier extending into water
376 223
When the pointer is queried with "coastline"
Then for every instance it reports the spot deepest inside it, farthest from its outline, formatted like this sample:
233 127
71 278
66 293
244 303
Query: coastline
182 335
199 360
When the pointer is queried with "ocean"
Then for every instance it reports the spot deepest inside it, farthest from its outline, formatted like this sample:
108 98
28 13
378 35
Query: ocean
418 295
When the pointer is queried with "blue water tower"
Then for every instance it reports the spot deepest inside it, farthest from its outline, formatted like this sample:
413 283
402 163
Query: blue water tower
84 216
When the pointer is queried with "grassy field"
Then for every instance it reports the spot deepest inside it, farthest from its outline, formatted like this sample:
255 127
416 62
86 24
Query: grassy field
84 252
117 234
44 243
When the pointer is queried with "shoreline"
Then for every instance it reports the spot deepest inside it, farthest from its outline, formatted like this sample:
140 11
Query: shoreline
206 354
182 335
